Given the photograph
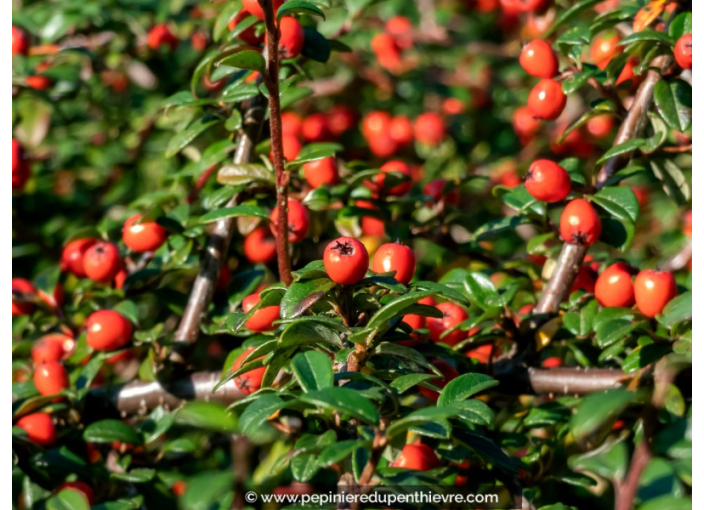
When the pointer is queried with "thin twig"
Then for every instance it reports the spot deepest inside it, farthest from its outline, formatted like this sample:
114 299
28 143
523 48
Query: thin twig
271 80
680 259
218 242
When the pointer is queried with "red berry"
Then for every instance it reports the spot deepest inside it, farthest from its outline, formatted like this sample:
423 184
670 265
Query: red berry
653 290
375 123
435 189
298 221
321 171
20 166
262 320
23 292
315 128
579 223
73 255
346 260
249 34
600 126
291 37
394 166
371 225
50 378
108 330
199 41
452 315
614 286
142 237
256 10
481 353
383 145
682 51
260 246
585 280
251 381
78 486
51 347
341 118
291 124
400 28
539 60
547 100
401 130
547 181
448 374
552 362
292 147
160 35
39 428
687 224
604 48
419 457
20 41
395 257
102 262
525 124
429 128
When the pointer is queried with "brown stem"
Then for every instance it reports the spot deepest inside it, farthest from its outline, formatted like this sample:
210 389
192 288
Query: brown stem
271 80
139 397
571 257
218 242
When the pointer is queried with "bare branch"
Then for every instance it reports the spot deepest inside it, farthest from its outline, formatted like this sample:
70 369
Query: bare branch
680 259
218 242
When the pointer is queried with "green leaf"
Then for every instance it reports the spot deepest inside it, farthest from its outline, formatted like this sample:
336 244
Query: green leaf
679 309
234 212
464 386
345 401
315 45
681 25
420 416
597 408
68 499
481 291
406 382
308 333
644 355
137 475
235 174
569 14
673 180
245 59
619 201
313 370
183 138
609 461
646 35
206 415
623 148
299 7
108 431
339 451
302 295
259 411
615 330
403 352
575 81
669 502
396 307
673 99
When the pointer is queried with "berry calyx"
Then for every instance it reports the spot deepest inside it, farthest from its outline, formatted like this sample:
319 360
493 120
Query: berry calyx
108 330
298 221
261 320
143 237
346 260
452 316
251 381
547 181
539 60
580 224
547 100
614 286
102 262
653 290
395 257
